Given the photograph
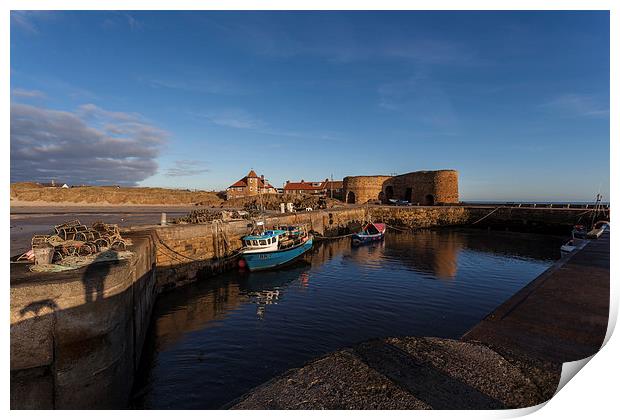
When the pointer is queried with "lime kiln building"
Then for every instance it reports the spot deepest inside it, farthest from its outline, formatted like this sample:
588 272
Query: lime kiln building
425 188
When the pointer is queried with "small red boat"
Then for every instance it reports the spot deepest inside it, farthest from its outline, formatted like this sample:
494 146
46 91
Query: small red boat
370 233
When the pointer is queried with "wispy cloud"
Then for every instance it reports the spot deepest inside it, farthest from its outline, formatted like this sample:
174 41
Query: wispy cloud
342 41
88 146
94 112
187 168
420 99
578 105
234 118
433 51
119 20
23 19
203 84
27 94
241 119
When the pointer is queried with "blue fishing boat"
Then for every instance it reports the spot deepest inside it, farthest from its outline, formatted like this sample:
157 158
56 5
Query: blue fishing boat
268 249
372 232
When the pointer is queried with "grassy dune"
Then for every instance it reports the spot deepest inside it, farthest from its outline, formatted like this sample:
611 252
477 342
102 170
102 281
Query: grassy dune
32 192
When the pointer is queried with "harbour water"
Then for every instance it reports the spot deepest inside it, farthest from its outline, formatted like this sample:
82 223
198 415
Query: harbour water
213 341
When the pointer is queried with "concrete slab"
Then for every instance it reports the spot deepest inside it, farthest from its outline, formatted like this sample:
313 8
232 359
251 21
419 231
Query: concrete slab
336 382
559 317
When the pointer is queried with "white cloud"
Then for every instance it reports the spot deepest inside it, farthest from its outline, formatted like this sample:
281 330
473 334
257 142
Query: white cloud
96 147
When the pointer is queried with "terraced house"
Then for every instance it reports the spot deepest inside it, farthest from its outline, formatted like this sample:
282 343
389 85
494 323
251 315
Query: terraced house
326 187
249 185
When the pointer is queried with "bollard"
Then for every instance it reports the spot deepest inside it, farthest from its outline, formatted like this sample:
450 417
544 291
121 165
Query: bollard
163 220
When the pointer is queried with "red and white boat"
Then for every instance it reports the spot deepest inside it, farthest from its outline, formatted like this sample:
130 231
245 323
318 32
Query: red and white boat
372 232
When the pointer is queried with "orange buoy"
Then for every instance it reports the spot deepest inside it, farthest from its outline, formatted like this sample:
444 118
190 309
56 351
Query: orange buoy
241 263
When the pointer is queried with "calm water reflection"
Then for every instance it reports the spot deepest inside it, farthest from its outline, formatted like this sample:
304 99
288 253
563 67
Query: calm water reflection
213 341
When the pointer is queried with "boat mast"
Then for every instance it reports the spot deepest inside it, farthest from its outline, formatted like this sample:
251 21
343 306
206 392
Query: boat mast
262 208
598 206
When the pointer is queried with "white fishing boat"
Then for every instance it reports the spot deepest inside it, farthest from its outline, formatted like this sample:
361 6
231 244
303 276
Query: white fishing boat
581 234
578 235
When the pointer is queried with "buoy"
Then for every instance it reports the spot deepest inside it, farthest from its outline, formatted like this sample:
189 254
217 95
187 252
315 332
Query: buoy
241 263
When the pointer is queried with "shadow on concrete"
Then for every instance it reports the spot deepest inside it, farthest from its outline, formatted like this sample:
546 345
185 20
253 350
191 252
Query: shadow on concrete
38 306
95 275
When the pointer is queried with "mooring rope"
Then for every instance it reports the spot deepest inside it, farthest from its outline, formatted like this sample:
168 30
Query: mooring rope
326 238
398 229
482 218
235 254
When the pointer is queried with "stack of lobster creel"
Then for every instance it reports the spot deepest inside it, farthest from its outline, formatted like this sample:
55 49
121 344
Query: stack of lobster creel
73 239
200 216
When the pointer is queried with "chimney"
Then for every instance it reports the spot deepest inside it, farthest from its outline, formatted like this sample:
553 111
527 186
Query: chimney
262 177
302 181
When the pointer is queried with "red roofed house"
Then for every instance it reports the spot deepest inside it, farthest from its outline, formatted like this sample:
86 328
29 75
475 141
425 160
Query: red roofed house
249 185
320 188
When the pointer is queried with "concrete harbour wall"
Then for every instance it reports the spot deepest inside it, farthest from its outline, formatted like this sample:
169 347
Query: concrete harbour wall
76 336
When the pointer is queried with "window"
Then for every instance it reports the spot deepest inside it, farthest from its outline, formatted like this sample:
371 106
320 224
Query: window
262 242
255 243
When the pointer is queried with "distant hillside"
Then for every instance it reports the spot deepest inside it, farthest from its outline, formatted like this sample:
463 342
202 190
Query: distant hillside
33 192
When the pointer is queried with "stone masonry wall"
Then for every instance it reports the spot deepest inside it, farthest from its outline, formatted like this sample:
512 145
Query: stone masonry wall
420 217
360 189
423 187
189 252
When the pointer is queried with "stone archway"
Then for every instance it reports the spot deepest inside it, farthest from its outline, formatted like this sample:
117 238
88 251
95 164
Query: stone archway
351 197
389 192
429 200
408 194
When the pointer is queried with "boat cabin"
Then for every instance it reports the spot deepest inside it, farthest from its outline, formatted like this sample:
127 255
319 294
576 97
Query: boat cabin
280 237
265 241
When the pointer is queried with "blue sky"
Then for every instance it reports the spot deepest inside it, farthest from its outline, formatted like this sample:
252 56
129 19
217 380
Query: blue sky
517 102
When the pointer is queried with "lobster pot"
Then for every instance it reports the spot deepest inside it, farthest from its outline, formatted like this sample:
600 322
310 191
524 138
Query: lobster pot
43 255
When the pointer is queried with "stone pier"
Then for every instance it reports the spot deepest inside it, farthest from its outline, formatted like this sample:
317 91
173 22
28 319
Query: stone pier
76 336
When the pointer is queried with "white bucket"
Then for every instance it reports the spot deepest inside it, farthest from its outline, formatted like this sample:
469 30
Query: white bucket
43 255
